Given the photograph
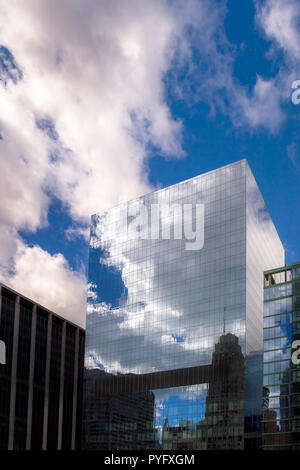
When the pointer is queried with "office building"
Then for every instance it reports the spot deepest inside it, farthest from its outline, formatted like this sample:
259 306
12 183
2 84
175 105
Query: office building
175 313
281 414
41 377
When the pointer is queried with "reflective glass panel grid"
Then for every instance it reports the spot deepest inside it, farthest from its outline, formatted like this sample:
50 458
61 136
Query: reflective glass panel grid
158 313
281 415
264 251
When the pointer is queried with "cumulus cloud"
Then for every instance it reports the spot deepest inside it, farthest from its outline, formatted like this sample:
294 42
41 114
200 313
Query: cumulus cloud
50 281
211 79
263 107
279 20
83 98
104 63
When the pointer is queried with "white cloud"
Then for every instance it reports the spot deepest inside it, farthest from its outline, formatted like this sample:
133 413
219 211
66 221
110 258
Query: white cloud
50 281
279 20
292 152
212 79
263 108
94 71
77 231
112 58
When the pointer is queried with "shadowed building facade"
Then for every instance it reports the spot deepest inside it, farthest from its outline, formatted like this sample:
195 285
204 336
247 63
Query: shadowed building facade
42 378
181 321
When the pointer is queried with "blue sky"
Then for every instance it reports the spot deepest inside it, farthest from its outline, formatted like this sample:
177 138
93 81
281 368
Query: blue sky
104 101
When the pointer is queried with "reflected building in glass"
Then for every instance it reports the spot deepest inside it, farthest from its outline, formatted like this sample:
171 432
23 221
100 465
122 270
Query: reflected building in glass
281 414
174 336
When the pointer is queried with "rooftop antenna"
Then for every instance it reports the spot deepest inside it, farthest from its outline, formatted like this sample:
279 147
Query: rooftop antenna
224 320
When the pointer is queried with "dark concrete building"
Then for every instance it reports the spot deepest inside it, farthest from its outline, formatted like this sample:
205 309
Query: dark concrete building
41 376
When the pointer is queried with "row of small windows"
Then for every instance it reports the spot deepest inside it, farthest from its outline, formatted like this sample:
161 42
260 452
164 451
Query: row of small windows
279 366
286 377
282 290
281 319
278 306
283 276
279 331
278 343
284 401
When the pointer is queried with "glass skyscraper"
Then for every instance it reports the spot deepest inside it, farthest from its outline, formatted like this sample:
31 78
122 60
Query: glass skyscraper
281 414
174 336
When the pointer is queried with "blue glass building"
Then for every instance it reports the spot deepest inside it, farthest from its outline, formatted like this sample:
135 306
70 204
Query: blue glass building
281 414
174 335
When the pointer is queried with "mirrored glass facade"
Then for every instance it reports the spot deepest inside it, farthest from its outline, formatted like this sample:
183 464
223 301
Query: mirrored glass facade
175 316
281 414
